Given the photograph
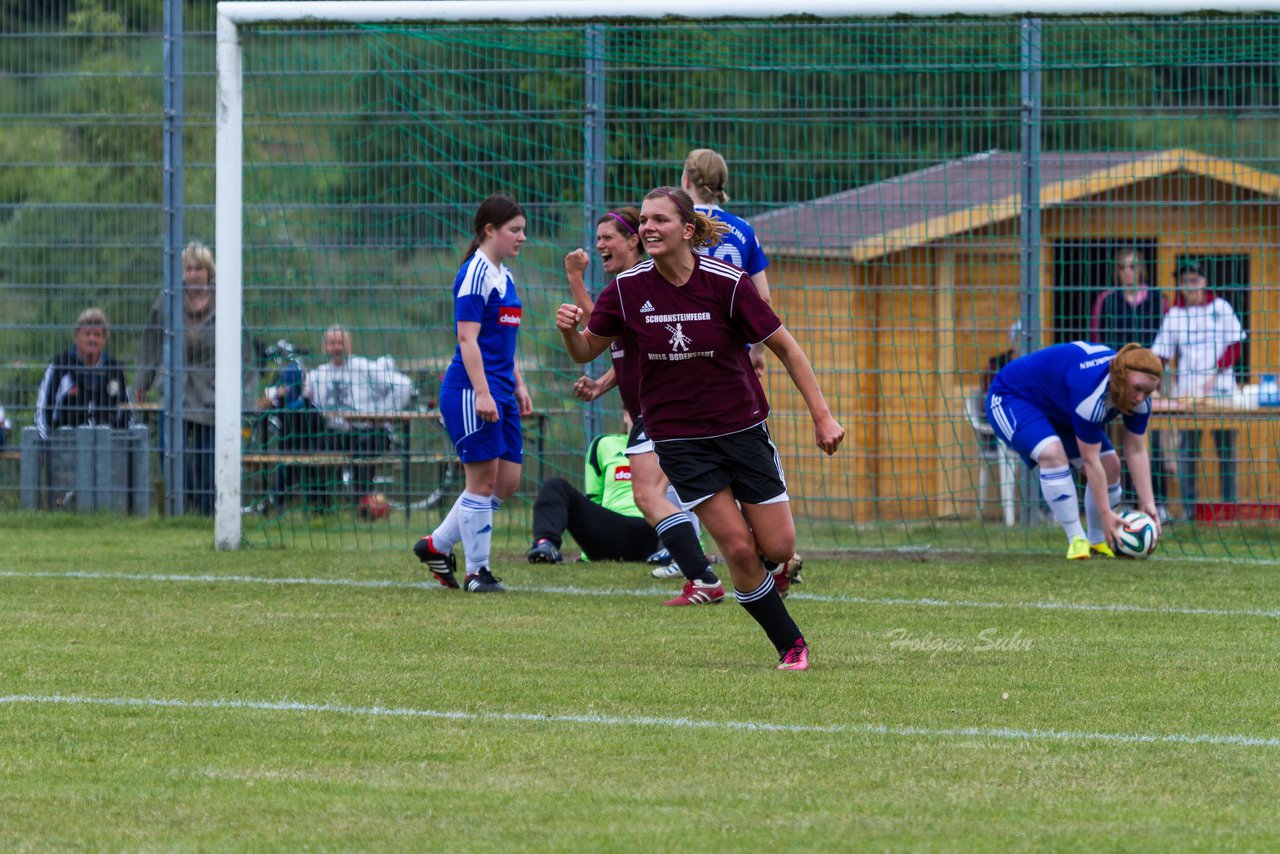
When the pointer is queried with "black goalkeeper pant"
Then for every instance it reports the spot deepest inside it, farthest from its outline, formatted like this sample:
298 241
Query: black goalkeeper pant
603 534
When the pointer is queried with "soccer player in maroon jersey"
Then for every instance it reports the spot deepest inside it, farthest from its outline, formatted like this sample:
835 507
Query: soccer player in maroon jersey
618 244
690 318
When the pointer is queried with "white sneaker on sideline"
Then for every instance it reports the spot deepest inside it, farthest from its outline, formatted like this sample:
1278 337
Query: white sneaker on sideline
671 570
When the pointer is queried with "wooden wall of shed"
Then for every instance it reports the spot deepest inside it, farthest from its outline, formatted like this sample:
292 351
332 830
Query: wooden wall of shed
899 342
831 311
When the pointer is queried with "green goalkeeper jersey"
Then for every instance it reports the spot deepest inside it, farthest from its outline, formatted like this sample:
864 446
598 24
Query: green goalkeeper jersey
608 475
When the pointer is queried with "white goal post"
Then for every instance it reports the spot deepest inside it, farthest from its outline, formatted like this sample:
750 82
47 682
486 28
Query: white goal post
230 129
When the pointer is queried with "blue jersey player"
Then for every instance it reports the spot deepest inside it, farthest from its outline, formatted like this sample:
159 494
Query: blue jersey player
704 178
1052 406
482 397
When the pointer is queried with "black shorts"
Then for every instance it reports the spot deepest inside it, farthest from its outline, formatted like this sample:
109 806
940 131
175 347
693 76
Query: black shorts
638 441
746 462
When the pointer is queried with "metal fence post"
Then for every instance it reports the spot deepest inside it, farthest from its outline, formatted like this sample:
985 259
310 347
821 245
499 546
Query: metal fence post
594 159
173 441
1031 128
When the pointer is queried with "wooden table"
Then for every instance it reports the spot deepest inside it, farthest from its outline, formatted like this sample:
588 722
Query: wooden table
1257 447
1206 414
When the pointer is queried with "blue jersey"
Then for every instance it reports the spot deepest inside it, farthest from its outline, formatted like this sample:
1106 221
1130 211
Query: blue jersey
739 246
1068 383
486 294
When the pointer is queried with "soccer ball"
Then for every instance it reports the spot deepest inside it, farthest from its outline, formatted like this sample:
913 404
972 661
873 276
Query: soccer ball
1138 535
374 506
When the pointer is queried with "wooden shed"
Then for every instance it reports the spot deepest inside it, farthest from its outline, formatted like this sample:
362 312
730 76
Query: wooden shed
903 290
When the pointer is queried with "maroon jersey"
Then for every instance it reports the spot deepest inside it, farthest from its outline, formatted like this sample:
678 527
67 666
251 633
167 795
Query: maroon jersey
626 372
690 343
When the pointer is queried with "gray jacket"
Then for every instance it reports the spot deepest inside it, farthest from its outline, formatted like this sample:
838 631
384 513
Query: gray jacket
198 390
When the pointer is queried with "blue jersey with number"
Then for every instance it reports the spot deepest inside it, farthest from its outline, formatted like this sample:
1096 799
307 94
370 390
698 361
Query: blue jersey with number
486 294
1069 384
739 246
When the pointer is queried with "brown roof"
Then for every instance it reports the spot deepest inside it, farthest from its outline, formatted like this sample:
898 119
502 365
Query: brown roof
961 195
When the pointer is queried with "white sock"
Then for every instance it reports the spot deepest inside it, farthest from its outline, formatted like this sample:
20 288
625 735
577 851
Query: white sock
476 523
674 498
1059 490
1096 534
448 532
1093 516
496 501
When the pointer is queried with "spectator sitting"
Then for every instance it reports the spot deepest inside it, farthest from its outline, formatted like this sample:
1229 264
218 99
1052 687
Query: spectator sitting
348 385
988 441
84 386
999 360
298 426
605 521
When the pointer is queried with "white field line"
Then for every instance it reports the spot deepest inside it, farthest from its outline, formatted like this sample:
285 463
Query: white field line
1004 733
929 548
560 590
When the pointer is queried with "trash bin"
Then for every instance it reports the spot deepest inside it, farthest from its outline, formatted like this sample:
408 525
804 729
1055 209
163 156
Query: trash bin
86 469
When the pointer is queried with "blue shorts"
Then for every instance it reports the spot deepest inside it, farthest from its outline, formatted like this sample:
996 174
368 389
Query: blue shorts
1025 429
477 441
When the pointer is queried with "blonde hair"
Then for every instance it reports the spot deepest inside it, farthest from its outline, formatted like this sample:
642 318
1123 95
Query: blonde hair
1130 358
708 173
92 317
200 255
706 231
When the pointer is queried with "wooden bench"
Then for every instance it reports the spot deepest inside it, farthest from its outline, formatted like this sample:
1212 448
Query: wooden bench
256 459
260 460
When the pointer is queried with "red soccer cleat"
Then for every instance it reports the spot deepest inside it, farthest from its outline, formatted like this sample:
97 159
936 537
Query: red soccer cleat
441 565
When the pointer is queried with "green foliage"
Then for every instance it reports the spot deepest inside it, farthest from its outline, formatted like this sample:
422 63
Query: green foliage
81 233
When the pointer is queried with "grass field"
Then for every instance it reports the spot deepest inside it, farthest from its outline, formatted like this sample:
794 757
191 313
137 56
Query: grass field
158 695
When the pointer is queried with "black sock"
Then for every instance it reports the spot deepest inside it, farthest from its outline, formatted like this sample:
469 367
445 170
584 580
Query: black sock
770 566
678 537
766 607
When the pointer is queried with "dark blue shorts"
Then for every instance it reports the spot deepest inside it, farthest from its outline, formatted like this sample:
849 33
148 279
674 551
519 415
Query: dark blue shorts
477 441
1025 429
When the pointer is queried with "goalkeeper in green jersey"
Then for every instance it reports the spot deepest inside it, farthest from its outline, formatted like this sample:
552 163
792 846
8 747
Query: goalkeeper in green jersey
605 521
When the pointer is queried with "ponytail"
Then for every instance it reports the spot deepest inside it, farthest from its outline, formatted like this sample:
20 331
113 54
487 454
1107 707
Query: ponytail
708 173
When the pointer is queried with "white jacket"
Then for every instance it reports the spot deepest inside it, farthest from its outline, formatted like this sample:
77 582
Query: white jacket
1197 336
357 385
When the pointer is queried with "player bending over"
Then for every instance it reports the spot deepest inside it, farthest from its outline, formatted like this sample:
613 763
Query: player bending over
1052 406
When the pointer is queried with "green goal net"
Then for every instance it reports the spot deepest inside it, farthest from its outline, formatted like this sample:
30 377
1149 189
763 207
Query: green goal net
933 195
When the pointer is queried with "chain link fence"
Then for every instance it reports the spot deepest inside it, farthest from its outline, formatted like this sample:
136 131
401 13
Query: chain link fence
935 195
